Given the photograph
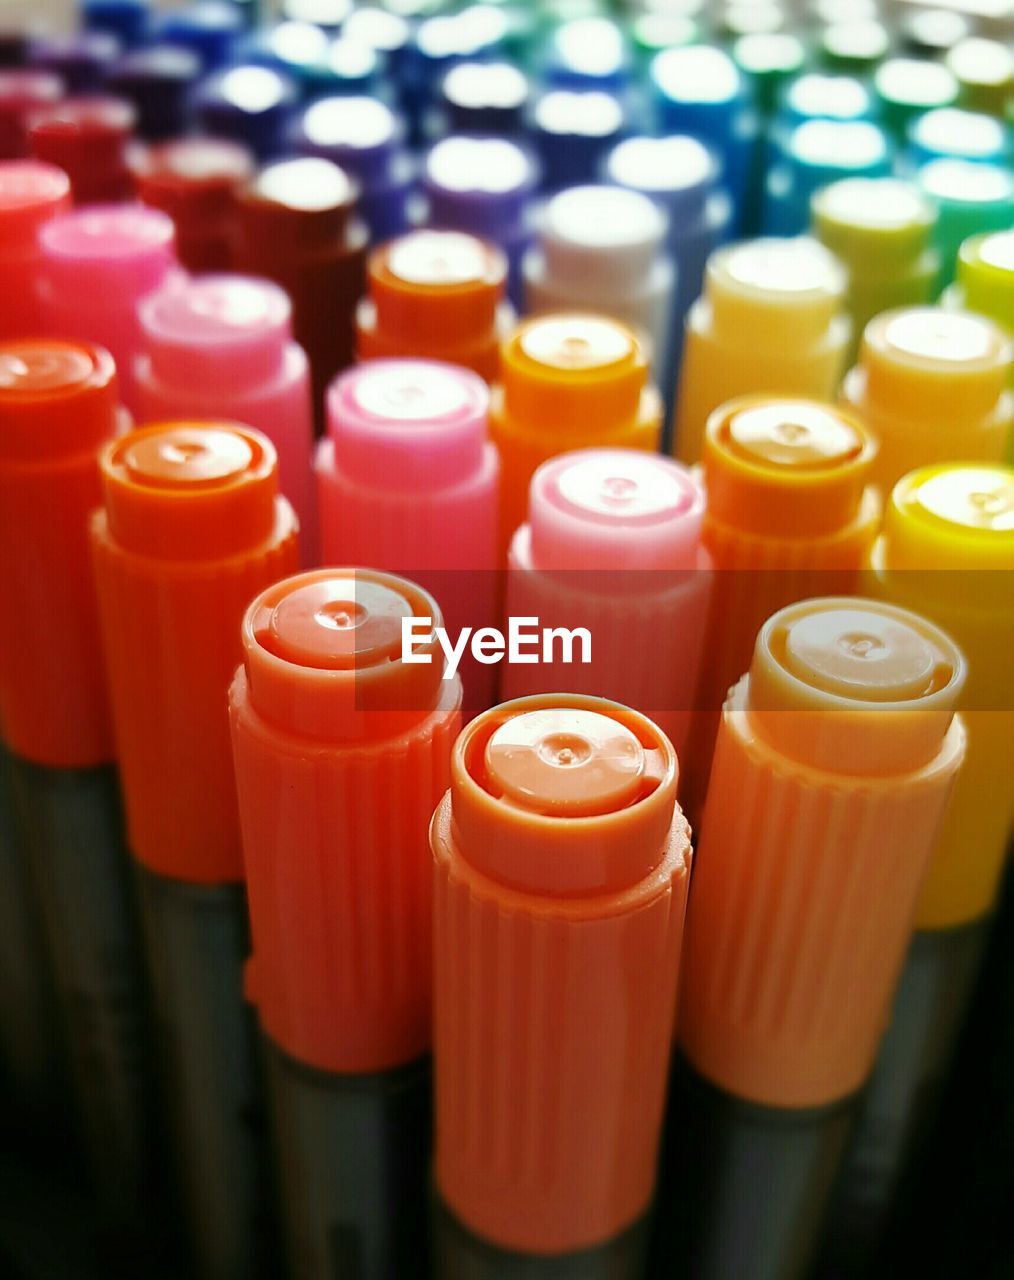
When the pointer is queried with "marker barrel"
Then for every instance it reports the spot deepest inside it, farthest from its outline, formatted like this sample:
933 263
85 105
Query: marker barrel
191 529
560 860
88 139
329 723
436 295
567 381
221 348
612 544
30 194
834 765
770 319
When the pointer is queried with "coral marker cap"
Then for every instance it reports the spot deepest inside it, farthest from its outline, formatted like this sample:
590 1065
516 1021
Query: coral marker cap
192 527
21 92
835 761
87 137
947 548
327 716
436 294
30 194
58 404
561 860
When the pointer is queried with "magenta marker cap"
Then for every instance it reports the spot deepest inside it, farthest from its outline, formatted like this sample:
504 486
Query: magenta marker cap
221 347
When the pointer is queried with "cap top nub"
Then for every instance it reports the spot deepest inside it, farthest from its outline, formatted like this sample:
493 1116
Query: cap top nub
793 434
576 342
411 391
975 499
621 486
188 458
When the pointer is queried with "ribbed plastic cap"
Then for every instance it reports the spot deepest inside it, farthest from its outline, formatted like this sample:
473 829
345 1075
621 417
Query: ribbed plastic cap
303 202
854 686
785 468
677 170
563 795
117 252
216 332
30 194
928 359
986 275
577 372
190 490
956 516
412 425
430 283
57 400
615 509
323 654
867 221
482 183
604 238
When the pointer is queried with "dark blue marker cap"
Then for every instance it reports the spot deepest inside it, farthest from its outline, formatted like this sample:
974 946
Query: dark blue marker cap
572 130
125 19
158 80
485 97
479 185
209 29
588 53
249 104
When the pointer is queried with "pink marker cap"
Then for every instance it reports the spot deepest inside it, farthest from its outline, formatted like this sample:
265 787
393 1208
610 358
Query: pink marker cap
217 332
614 509
408 425
112 251
30 194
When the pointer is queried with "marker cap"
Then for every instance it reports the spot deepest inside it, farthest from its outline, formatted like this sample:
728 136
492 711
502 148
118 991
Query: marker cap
304 203
601 237
834 765
79 59
483 184
907 87
359 134
30 194
326 717
984 70
58 403
677 171
21 92
948 131
986 275
87 138
191 528
872 222
561 858
249 104
952 516
158 81
115 252
814 96
970 197
485 97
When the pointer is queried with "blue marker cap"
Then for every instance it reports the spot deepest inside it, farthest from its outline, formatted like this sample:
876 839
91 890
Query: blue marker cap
249 104
815 96
485 97
588 53
678 172
329 15
815 154
125 19
209 29
479 185
158 80
572 131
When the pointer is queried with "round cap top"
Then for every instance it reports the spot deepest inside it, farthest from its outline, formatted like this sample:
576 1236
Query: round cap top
801 435
323 654
957 516
325 13
586 114
652 31
306 185
481 166
986 274
57 399
481 86
576 343
660 166
775 290
413 425
980 63
251 90
967 182
911 84
601 236
696 74
349 124
380 29
588 48
614 509
303 202
948 131
878 219
563 795
934 31
766 53
30 193
122 250
854 686
819 97
442 260
190 490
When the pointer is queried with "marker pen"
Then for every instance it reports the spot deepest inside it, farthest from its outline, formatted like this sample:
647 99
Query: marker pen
699 90
58 404
96 265
601 249
682 177
567 381
930 384
408 483
365 138
484 186
330 15
80 59
210 30
297 226
195 181
960 135
587 53
248 104
818 96
30 195
660 27
768 61
813 155
328 723
908 87
947 549
191 529
984 70
87 138
985 282
438 295
572 131
879 229
23 91
969 198
835 760
791 513
561 862
612 543
125 19
931 33
220 348
770 319
485 98
159 81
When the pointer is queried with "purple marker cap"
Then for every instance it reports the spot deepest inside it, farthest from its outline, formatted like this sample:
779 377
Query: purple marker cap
80 59
361 135
158 80
480 185
248 104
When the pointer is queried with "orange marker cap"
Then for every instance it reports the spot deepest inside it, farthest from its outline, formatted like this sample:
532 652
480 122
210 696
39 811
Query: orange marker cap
192 528
58 403
341 749
835 761
561 861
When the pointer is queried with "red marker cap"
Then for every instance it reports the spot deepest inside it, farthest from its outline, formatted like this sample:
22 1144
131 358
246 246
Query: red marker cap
88 139
21 91
30 194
